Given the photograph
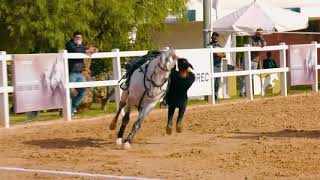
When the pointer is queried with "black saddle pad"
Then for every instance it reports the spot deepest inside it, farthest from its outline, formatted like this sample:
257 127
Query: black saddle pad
134 64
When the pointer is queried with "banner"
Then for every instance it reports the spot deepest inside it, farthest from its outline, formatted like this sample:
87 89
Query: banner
215 4
201 64
302 64
39 81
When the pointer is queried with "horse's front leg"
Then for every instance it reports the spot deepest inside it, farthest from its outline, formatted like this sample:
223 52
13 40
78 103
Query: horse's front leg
137 124
125 121
122 104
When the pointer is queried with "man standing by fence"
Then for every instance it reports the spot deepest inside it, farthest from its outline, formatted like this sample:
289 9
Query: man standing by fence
76 66
217 57
254 41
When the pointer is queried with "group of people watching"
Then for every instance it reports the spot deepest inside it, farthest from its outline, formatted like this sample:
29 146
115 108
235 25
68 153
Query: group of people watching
256 62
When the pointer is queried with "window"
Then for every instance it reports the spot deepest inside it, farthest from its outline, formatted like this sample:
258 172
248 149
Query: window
191 15
298 10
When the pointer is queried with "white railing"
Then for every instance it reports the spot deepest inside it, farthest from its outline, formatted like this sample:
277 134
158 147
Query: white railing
116 55
247 67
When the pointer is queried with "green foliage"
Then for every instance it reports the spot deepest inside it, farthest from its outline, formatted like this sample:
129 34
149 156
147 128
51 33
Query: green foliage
40 25
46 25
240 43
35 26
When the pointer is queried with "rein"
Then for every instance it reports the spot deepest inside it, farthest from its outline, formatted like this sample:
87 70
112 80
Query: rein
145 78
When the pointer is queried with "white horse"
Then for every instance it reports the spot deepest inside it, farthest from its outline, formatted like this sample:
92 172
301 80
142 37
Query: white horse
53 79
147 85
310 64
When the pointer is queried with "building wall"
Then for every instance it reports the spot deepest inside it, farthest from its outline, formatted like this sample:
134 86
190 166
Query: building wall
290 39
180 36
309 8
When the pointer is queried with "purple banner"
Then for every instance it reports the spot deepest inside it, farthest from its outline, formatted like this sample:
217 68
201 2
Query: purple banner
39 81
302 64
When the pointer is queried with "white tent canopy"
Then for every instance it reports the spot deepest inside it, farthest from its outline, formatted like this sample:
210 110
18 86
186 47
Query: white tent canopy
260 15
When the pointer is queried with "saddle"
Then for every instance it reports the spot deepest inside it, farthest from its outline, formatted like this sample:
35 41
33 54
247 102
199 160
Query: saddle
136 63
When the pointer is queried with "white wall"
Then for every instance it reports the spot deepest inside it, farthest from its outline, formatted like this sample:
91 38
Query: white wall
308 7
180 35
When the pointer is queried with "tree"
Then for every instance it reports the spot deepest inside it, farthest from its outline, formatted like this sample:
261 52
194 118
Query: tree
41 25
45 25
35 26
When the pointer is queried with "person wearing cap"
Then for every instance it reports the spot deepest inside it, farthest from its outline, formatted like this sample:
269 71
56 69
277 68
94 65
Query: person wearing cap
269 62
257 40
217 57
76 67
176 95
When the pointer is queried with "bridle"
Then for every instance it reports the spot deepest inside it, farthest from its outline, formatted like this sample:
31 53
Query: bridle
154 84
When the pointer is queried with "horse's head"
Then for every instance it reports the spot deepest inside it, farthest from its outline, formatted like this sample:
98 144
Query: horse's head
164 64
168 59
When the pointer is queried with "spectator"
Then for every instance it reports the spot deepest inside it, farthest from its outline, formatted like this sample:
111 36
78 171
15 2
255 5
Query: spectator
217 57
269 62
255 40
76 66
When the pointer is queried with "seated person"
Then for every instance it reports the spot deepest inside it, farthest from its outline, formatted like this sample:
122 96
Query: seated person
269 62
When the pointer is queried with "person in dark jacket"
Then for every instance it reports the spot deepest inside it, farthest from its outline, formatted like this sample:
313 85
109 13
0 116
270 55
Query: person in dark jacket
257 40
76 66
269 62
217 59
176 96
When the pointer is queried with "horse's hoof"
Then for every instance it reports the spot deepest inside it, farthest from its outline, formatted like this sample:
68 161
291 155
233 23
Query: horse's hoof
179 128
169 130
119 141
126 145
112 126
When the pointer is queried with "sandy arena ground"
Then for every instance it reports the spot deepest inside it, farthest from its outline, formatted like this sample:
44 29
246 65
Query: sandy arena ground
271 138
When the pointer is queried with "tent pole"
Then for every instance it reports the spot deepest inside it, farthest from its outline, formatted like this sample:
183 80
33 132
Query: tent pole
206 23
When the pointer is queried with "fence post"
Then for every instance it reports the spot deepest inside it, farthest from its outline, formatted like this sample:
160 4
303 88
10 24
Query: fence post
224 81
247 66
4 97
283 75
211 98
67 100
116 67
315 85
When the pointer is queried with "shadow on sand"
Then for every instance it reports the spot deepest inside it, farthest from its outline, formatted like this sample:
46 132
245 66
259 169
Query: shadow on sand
286 133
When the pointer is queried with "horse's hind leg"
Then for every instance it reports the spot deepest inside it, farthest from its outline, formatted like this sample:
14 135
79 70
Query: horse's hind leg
142 114
122 104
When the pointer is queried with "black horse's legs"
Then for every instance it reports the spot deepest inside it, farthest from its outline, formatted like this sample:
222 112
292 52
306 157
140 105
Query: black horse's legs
142 114
125 121
122 104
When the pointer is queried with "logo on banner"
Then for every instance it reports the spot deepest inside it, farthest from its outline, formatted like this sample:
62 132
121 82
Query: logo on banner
202 77
201 63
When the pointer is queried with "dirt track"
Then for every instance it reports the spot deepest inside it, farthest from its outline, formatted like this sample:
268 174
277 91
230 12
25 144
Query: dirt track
264 139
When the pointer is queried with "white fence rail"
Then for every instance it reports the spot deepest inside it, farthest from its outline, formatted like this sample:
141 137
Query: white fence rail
116 55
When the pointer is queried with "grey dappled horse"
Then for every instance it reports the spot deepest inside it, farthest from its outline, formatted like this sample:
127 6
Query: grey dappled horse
147 84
